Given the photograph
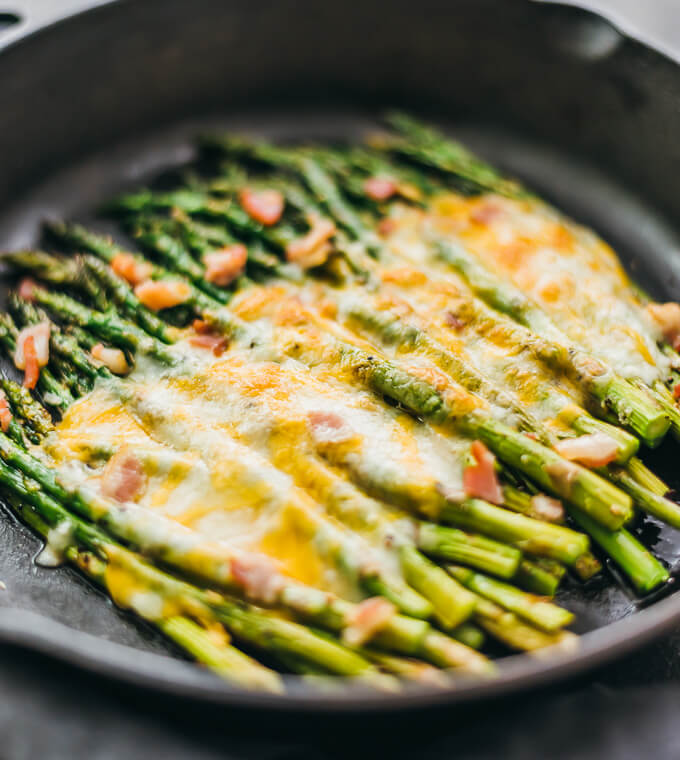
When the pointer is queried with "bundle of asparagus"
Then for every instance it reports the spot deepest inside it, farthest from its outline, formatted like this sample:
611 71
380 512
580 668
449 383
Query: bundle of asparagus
351 409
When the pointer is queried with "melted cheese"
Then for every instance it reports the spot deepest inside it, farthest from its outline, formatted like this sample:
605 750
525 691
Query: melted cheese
278 448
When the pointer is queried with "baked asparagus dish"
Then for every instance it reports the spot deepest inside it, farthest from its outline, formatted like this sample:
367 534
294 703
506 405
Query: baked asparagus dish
335 409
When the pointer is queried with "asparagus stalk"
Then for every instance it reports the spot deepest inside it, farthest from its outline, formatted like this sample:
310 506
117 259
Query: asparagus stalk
426 147
476 551
452 604
39 422
638 470
538 577
124 297
71 357
642 568
515 633
54 393
649 501
57 270
225 660
545 615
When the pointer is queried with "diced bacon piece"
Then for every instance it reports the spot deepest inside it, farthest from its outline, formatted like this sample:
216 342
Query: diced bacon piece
676 391
480 480
380 188
215 343
40 334
26 288
486 212
667 317
329 427
113 358
547 508
258 577
5 413
451 320
264 206
123 478
312 249
162 294
326 419
32 367
387 226
366 619
201 326
594 450
135 272
224 266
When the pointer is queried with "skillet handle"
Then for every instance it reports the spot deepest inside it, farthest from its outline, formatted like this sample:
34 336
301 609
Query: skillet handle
593 29
20 18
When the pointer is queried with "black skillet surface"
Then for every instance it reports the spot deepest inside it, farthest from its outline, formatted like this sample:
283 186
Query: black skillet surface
122 70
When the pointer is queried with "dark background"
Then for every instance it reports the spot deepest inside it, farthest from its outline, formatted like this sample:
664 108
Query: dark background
626 710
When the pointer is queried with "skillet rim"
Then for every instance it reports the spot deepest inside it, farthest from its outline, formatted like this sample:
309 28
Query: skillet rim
165 675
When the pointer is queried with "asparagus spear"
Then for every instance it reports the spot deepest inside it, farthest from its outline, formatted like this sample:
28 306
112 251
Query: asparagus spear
426 147
39 422
642 568
539 577
545 615
55 393
69 358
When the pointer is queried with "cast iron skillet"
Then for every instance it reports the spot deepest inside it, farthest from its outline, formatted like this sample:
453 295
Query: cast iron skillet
98 95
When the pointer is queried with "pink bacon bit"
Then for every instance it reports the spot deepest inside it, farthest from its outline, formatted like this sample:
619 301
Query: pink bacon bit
224 266
26 288
264 206
387 226
5 413
367 619
380 188
480 480
207 338
594 450
162 294
113 358
32 351
123 478
312 249
31 365
486 212
40 335
134 272
547 508
676 391
215 343
452 321
667 318
258 577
